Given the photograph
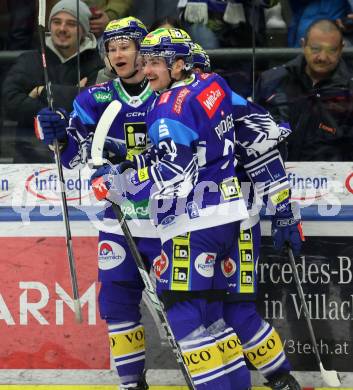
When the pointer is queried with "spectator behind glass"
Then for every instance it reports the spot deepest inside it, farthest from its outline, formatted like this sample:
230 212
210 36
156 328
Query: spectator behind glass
24 92
216 23
305 12
150 10
22 24
103 11
346 25
220 23
313 93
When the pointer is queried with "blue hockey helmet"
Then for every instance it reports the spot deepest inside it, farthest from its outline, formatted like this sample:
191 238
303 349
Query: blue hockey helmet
128 28
200 58
171 44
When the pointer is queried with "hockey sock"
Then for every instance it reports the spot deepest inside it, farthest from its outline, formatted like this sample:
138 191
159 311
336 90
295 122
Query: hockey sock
232 355
199 348
265 351
204 361
261 343
229 345
127 346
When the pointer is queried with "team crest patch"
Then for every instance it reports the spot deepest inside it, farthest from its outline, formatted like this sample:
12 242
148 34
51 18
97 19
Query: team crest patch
228 267
135 135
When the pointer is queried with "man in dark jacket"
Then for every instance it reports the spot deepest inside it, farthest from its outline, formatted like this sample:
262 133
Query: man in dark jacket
313 93
24 92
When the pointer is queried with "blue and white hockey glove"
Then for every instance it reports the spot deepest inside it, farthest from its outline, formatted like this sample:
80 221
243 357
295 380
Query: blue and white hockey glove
287 228
51 125
111 181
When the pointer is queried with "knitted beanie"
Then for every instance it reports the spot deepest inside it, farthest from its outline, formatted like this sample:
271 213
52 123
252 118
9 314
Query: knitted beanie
70 6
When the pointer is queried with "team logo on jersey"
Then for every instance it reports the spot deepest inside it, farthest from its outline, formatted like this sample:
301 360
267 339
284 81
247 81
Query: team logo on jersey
230 188
204 264
110 255
103 97
179 100
228 267
211 98
136 136
160 265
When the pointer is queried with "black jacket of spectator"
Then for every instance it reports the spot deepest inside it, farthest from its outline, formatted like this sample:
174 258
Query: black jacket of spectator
320 115
27 73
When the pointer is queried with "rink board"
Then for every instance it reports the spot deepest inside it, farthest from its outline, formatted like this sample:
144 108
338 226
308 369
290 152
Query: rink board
37 322
103 387
108 387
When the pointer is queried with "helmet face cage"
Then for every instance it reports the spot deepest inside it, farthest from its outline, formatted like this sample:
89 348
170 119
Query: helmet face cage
125 28
171 44
200 57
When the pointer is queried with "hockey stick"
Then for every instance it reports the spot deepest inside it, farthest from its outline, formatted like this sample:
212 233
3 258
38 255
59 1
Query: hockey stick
105 123
100 134
330 377
78 79
76 297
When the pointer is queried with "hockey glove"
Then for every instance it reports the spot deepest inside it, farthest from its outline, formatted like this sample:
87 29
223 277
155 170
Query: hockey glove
114 152
50 125
287 228
110 182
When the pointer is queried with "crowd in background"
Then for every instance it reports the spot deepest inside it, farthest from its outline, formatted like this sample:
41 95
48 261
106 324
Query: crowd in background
215 24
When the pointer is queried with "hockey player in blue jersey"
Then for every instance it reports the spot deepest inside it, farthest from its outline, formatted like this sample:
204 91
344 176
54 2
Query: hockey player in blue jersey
195 201
261 171
121 284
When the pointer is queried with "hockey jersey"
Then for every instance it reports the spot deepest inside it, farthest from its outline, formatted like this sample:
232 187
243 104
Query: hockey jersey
129 127
192 181
260 167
